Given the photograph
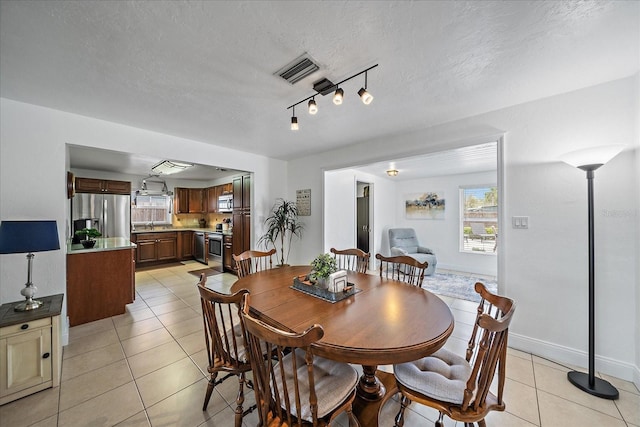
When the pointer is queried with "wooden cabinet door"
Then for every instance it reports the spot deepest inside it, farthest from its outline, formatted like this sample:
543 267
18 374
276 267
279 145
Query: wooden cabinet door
88 185
196 199
237 193
181 201
25 360
146 250
166 248
246 192
186 244
246 231
117 187
227 251
212 199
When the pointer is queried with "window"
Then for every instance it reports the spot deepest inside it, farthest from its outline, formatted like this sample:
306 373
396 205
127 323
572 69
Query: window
155 209
479 219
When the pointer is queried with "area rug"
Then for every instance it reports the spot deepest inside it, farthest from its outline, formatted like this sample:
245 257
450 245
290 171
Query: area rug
456 286
207 271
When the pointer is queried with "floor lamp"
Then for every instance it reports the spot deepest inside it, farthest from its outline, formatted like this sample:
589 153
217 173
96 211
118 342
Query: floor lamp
589 160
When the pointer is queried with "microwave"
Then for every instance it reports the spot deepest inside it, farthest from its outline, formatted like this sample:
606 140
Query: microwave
225 203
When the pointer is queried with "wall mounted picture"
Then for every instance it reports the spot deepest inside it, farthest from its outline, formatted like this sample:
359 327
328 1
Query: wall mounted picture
427 205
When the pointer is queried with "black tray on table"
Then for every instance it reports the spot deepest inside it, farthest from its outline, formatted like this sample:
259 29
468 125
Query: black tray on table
302 284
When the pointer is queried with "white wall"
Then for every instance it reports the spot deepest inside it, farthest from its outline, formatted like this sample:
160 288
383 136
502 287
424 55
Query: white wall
443 236
544 268
34 161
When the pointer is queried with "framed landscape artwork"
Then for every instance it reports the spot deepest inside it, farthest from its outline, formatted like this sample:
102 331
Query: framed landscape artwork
427 205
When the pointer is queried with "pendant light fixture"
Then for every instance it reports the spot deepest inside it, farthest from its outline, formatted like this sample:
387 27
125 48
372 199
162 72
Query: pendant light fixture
294 120
337 97
313 108
325 87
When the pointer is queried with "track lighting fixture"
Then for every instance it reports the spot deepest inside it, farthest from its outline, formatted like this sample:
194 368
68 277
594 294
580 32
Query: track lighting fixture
325 87
364 95
337 97
294 120
313 108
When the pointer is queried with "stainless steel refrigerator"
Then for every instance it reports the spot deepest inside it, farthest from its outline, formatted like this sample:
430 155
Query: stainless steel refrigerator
108 213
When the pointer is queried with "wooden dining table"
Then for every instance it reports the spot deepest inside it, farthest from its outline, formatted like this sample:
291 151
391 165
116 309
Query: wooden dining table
385 322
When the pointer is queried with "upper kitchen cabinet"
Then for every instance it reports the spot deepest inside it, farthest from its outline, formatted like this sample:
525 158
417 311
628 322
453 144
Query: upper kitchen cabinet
242 192
212 198
189 200
92 185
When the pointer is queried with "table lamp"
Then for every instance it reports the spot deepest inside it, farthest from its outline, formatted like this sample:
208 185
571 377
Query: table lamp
588 160
18 237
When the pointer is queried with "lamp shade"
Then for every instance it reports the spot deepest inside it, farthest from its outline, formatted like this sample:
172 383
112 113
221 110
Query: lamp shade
17 237
593 156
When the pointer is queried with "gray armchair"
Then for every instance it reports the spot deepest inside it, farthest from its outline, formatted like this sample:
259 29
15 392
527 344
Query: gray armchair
403 241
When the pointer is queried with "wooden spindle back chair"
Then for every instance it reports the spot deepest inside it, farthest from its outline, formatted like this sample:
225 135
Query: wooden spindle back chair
249 262
462 389
351 259
403 268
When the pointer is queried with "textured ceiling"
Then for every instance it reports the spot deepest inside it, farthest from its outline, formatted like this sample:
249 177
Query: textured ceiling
205 70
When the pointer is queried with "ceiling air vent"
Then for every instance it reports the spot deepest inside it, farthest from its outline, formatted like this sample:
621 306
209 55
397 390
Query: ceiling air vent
298 69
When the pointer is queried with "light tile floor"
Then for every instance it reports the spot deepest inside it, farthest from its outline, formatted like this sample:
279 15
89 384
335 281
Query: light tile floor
147 368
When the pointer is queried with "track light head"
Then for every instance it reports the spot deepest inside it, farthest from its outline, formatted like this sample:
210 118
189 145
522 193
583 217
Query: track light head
337 97
294 123
365 96
313 108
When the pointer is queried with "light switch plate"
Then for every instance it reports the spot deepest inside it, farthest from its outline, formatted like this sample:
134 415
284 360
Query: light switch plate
520 221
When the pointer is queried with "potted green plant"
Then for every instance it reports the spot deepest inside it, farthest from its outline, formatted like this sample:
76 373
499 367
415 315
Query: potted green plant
322 266
89 236
281 226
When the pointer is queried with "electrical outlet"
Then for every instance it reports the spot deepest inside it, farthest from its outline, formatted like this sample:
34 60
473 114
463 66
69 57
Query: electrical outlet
520 222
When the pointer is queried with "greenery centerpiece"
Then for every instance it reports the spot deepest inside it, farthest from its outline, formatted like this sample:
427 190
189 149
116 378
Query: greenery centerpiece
323 266
89 236
281 226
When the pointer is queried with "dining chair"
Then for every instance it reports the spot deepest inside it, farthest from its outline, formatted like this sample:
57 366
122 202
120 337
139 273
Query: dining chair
457 386
249 262
225 341
294 387
351 259
403 268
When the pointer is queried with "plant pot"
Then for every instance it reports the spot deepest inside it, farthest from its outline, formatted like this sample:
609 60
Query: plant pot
322 282
88 243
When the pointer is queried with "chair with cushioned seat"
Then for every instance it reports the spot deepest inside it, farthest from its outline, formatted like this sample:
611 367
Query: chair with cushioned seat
459 386
225 341
351 259
403 241
294 387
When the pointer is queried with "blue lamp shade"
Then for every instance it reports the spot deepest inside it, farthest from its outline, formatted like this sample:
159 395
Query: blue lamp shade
17 237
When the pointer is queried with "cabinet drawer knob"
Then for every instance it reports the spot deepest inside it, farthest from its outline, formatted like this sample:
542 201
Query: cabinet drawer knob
45 356
25 326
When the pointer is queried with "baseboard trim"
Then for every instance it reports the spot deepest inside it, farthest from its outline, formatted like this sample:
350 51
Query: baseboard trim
571 356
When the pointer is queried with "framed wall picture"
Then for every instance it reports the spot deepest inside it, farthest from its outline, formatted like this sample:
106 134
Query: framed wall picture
427 205
303 202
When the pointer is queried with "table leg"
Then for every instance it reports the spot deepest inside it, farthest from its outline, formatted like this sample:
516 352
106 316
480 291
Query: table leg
366 409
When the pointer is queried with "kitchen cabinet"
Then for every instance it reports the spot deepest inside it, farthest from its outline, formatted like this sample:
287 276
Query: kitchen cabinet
99 284
185 244
30 349
227 251
91 185
241 215
212 198
155 247
189 200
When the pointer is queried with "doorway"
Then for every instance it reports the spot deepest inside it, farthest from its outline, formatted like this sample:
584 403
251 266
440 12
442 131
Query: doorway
363 215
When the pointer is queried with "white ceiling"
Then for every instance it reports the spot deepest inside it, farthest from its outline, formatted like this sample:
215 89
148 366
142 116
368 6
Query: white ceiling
205 69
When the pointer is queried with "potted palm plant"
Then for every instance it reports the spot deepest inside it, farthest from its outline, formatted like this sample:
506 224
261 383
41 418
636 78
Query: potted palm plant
281 226
89 236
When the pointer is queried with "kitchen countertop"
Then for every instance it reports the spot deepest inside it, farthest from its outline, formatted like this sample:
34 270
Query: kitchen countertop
102 244
165 229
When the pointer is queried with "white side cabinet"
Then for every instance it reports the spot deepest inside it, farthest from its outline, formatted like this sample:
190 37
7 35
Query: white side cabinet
30 349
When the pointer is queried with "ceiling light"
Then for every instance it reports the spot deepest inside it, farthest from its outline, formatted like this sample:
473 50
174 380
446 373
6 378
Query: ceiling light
324 87
364 95
392 172
313 108
337 97
294 120
167 167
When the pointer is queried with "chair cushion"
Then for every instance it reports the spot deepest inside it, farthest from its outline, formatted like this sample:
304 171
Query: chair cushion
442 376
334 381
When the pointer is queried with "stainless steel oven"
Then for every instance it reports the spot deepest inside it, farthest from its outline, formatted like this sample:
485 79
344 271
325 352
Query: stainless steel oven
215 246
